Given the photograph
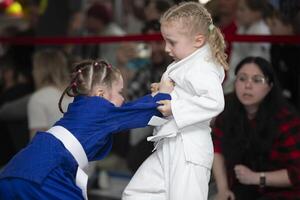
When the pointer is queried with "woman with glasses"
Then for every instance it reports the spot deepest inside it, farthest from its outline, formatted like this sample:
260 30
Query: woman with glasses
257 138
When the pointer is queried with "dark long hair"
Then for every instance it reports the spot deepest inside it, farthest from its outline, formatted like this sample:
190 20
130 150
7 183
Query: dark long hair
244 143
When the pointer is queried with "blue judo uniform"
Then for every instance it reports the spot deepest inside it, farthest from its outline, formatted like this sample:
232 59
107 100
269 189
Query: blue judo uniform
45 169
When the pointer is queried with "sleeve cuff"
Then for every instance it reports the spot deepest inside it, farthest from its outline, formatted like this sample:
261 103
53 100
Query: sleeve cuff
162 96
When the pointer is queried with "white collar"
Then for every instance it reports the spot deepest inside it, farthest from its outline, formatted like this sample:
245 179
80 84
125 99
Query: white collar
201 53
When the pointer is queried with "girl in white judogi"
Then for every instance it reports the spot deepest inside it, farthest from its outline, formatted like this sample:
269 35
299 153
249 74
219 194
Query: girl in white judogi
180 167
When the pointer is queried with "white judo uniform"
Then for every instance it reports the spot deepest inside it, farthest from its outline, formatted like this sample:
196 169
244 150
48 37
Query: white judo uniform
180 167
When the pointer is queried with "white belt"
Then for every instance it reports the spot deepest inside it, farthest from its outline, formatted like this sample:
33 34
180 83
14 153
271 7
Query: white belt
75 148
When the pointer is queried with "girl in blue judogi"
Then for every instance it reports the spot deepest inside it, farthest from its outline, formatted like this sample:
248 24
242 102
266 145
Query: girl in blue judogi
52 165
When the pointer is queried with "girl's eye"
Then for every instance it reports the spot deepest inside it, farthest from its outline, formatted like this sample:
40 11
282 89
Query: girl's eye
172 43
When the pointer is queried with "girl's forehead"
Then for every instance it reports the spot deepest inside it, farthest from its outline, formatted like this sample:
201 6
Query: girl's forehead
172 26
172 23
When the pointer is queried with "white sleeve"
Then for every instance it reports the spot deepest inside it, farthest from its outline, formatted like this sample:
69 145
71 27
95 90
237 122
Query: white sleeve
206 102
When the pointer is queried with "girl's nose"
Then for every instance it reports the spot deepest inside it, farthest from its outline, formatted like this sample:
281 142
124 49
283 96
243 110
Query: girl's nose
167 49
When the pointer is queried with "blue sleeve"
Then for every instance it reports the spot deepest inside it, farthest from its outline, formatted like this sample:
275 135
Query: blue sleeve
148 98
138 113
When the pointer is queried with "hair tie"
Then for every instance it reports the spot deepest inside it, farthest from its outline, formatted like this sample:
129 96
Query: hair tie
74 84
211 27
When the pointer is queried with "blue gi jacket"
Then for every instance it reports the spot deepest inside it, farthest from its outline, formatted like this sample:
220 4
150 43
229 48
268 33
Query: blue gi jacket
92 120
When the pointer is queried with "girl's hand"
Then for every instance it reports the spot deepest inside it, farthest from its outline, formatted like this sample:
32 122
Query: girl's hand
166 86
165 107
225 195
154 87
245 175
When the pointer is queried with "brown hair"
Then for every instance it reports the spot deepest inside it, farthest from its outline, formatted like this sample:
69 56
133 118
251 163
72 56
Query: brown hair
197 19
50 67
88 74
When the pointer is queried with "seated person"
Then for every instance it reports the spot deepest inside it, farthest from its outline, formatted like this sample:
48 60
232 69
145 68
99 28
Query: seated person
256 138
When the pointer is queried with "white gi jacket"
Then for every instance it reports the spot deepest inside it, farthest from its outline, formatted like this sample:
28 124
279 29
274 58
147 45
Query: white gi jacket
197 98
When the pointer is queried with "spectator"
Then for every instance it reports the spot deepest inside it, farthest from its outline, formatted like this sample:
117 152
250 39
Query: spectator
226 18
56 18
99 22
256 138
250 18
51 74
133 17
155 8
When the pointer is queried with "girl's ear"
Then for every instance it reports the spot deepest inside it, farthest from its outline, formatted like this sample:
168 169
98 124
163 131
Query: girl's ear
98 91
199 40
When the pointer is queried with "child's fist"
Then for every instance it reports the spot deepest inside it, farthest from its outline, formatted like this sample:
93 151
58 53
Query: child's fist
165 107
154 87
166 86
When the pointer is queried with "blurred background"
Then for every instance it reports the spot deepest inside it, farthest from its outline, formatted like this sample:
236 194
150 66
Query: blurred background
29 95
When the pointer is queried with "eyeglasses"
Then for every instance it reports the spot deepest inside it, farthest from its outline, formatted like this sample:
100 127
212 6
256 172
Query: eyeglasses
256 79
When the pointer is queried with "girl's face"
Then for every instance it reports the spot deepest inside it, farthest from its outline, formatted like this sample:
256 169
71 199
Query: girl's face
251 86
179 44
114 94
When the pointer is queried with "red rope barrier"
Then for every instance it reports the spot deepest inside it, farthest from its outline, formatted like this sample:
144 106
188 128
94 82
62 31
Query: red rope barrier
284 39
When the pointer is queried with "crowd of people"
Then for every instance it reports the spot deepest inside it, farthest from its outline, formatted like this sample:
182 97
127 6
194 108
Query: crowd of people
249 150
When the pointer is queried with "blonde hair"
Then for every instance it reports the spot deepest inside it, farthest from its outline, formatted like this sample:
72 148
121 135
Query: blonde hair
195 18
50 67
87 74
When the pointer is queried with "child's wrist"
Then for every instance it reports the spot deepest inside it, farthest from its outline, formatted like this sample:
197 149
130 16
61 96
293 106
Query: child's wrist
154 93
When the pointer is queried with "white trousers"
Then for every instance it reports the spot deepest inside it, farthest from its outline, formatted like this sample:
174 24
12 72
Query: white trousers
166 175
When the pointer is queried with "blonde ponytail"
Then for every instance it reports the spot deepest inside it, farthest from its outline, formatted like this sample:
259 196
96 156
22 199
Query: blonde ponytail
217 45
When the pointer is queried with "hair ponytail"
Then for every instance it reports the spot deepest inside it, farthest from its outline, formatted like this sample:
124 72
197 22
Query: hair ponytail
217 44
61 99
